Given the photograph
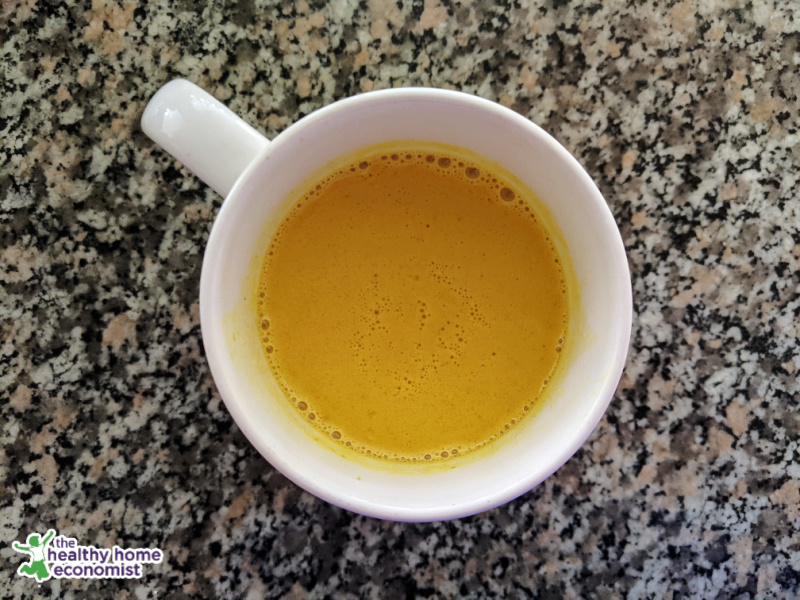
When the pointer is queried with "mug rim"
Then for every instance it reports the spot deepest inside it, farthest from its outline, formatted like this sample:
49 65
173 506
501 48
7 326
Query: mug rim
209 313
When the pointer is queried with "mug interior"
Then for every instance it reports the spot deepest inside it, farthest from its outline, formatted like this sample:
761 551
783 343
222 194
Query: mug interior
539 445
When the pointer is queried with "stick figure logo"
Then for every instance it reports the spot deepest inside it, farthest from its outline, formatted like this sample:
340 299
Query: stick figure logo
36 567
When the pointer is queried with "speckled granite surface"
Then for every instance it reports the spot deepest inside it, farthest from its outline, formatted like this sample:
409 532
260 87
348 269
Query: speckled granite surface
112 432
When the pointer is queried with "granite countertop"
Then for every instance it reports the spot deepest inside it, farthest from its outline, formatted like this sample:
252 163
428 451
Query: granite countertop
112 432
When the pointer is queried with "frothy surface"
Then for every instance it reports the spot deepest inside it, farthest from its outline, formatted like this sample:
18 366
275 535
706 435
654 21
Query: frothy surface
411 305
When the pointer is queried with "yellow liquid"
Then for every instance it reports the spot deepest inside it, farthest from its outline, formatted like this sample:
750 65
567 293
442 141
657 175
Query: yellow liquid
412 306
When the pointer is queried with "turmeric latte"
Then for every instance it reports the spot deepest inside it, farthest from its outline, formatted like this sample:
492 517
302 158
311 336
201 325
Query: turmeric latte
412 305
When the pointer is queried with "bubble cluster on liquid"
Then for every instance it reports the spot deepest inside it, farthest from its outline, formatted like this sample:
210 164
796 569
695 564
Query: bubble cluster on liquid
409 384
498 189
306 410
451 335
339 437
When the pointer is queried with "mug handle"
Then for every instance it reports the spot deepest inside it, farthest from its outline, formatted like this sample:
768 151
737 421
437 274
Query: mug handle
202 133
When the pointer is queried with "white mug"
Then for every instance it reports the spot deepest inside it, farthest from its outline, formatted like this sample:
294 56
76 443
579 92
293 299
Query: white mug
257 175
